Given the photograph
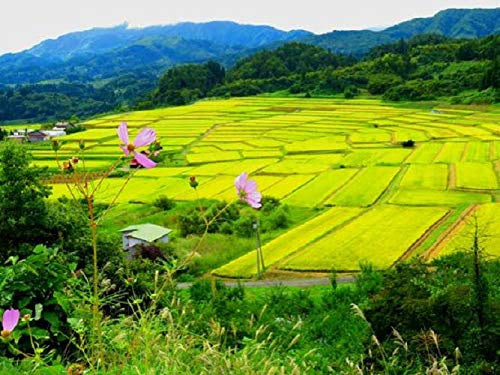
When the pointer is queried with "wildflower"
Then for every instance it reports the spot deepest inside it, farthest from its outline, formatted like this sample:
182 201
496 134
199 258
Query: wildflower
9 321
192 182
247 190
145 137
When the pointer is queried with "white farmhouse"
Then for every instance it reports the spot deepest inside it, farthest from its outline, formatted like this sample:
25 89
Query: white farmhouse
54 133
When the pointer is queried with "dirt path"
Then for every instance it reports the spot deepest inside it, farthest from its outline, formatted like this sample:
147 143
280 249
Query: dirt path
449 232
414 247
301 283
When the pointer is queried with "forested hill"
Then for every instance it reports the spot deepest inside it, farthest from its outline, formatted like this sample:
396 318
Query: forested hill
454 23
102 70
425 67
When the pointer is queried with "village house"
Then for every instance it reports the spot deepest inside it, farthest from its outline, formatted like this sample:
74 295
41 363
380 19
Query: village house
36 136
62 125
22 132
143 234
54 133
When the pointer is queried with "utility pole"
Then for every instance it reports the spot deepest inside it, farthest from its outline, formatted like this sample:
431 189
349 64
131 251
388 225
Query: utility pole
260 257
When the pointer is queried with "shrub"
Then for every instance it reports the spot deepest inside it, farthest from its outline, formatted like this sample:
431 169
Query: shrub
35 286
150 252
409 143
269 204
350 92
164 203
278 219
243 227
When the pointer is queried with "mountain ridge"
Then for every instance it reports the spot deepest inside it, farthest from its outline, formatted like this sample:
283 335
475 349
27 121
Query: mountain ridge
102 53
453 23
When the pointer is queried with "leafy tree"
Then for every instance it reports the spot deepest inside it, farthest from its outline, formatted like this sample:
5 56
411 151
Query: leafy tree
23 213
184 84
380 83
492 75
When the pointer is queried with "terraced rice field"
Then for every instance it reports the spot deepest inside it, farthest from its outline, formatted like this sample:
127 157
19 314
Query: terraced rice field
376 200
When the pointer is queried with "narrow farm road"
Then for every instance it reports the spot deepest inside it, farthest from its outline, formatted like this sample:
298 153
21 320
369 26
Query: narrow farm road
301 283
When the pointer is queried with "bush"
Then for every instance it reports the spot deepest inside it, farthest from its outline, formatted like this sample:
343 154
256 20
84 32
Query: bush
151 252
414 90
164 203
488 96
269 204
409 143
243 227
191 221
278 219
414 298
75 129
350 92
35 286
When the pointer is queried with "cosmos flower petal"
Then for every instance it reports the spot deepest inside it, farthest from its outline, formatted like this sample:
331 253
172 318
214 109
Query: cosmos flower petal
10 319
255 196
247 190
253 203
241 181
145 137
125 150
123 133
144 160
251 186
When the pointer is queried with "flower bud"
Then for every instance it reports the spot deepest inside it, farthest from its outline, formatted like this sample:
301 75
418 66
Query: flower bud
26 317
81 144
5 333
192 182
55 145
75 160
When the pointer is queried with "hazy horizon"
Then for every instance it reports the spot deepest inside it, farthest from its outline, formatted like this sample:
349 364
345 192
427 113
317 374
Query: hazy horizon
53 18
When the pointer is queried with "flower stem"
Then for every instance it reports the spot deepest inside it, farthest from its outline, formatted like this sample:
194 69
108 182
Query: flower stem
95 300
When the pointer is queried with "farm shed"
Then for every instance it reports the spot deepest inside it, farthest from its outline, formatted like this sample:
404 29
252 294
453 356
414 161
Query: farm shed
143 234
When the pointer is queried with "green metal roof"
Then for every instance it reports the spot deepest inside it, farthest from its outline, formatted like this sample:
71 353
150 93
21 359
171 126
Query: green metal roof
146 232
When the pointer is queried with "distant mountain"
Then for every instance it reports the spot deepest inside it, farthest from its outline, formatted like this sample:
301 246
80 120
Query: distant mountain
153 54
102 40
454 23
105 52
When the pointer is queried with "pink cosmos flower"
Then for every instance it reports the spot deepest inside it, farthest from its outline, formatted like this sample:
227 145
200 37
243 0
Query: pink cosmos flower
145 137
247 190
9 321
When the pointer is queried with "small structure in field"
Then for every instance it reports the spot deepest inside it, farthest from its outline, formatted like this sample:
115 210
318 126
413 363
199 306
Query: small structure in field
54 133
143 234
62 125
37 136
22 132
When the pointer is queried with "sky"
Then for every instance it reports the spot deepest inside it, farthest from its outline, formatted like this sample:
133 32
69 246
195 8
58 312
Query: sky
24 23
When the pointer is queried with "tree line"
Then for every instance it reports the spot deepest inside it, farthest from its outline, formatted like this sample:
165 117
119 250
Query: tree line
423 68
